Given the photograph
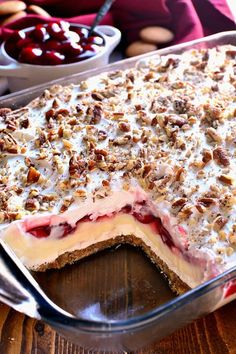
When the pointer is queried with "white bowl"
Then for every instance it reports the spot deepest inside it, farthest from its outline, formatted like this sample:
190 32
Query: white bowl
21 76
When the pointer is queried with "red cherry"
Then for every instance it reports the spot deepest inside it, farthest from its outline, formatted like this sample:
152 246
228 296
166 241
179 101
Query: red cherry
64 25
40 33
89 48
26 42
64 229
73 36
144 218
71 48
40 231
56 32
81 31
12 49
17 36
52 44
30 55
95 40
53 58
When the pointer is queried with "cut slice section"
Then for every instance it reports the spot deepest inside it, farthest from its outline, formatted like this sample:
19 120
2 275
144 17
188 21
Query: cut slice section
56 243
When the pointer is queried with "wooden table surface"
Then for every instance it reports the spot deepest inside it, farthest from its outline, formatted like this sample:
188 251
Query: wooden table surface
214 334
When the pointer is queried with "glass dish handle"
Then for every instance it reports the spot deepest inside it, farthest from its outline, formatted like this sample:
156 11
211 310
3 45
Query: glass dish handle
20 290
13 283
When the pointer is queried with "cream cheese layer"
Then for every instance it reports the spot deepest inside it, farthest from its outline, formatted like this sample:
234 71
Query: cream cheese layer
34 252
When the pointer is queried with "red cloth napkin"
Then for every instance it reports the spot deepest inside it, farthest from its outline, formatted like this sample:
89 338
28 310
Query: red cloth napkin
187 19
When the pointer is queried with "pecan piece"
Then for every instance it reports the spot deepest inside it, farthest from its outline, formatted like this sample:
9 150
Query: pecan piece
8 143
24 123
179 202
179 174
213 134
102 135
175 120
124 127
146 170
226 179
4 112
97 96
206 155
206 201
76 166
221 156
96 115
32 204
219 223
50 114
102 152
212 112
33 175
201 208
181 105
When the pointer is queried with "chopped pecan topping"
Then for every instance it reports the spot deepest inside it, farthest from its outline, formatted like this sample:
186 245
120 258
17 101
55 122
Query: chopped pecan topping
220 155
96 115
219 223
66 203
63 111
206 155
201 208
206 201
33 175
231 53
11 125
102 135
179 173
50 114
124 127
56 103
101 152
154 122
175 120
4 112
130 76
146 170
24 123
97 96
214 135
186 211
179 202
182 105
32 204
8 143
138 107
105 183
76 166
149 76
232 238
122 140
226 179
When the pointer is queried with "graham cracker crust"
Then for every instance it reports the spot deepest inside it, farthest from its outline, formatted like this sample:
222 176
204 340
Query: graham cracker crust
175 283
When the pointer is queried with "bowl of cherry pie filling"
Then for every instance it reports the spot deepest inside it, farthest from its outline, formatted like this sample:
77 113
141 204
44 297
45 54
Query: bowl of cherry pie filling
49 51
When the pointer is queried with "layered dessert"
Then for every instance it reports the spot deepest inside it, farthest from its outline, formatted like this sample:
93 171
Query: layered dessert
145 156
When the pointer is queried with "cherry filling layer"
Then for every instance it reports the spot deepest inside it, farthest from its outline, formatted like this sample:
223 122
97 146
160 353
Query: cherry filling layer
64 229
231 289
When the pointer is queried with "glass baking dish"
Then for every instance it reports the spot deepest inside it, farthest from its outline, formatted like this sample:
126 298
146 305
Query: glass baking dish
135 307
